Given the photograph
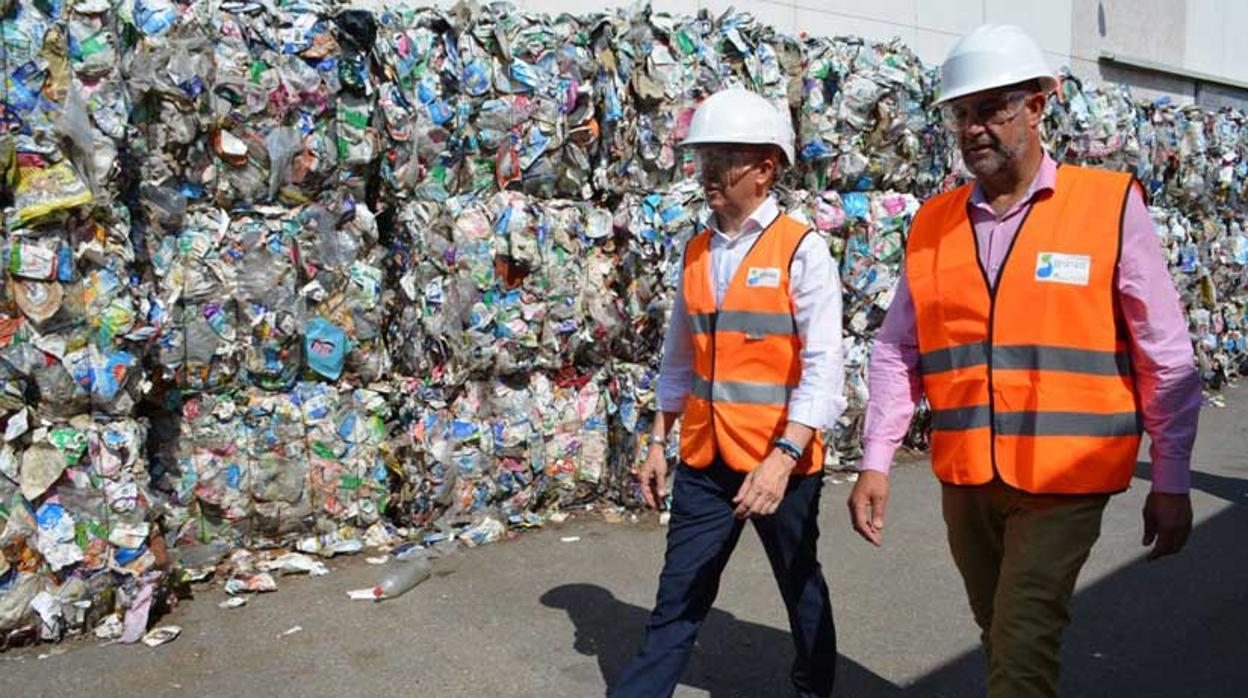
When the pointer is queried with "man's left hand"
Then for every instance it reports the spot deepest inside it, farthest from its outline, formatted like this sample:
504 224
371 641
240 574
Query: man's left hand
763 489
1168 521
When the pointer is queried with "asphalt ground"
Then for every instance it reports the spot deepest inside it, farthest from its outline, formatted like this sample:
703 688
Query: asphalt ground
557 612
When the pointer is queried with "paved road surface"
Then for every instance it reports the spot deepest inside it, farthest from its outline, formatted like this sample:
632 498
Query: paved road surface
541 617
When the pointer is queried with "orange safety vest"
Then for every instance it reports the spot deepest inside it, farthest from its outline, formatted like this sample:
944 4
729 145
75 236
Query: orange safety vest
746 354
1031 380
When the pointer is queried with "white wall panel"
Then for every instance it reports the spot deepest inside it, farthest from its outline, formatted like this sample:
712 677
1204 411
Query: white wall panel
820 23
891 11
953 16
1216 34
933 46
1047 22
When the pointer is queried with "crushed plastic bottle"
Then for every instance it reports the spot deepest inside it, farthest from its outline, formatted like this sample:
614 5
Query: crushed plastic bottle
402 577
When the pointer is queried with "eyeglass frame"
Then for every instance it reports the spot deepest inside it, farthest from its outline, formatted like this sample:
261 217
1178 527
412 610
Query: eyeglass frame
1011 102
721 162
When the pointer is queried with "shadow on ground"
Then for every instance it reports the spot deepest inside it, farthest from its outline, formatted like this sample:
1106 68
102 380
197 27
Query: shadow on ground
1171 627
733 658
1166 628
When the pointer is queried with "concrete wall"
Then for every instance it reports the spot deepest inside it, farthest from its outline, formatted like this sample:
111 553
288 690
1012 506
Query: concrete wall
1180 36
1186 36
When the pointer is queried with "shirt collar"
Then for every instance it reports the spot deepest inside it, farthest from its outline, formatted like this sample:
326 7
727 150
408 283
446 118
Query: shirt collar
1045 180
756 222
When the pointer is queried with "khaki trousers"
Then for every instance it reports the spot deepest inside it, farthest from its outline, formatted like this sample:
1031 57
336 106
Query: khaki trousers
1019 555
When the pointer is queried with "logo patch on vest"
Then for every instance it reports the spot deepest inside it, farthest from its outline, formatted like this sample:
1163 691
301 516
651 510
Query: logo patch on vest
1058 268
762 277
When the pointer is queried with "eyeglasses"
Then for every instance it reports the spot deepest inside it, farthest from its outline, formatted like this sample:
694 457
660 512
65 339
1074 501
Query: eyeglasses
991 112
714 164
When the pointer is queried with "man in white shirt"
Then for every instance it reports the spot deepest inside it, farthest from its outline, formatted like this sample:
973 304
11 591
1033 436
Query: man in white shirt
752 366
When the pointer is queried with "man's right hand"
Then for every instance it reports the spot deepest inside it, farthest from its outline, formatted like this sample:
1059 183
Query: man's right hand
866 505
653 476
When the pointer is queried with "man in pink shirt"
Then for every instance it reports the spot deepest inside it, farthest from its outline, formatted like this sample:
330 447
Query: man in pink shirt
1018 539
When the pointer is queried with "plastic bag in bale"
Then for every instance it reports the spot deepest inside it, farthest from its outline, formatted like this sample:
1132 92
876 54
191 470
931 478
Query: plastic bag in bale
195 273
342 262
866 121
424 328
275 68
210 482
170 73
274 447
267 296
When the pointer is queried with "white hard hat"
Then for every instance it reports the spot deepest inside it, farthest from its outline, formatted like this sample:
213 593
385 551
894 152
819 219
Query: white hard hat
736 115
991 56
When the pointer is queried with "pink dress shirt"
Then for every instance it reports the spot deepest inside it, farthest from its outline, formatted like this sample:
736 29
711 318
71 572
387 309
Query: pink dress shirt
1161 351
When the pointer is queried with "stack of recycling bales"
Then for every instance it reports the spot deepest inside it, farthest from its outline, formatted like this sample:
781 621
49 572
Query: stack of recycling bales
265 257
1193 164
508 318
303 274
77 512
1197 168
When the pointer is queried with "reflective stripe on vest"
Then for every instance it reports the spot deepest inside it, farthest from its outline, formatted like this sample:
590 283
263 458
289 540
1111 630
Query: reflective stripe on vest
747 354
751 323
744 393
1037 423
1027 357
1029 380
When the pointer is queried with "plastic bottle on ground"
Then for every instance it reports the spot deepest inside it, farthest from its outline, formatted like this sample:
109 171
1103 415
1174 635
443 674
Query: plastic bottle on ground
402 577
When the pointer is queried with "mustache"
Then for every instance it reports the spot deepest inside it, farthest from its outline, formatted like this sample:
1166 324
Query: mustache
984 141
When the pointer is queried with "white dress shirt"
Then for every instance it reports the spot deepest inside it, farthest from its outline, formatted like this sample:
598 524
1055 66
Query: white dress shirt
818 400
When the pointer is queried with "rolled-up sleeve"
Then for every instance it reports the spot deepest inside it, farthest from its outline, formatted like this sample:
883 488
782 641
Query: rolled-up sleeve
819 398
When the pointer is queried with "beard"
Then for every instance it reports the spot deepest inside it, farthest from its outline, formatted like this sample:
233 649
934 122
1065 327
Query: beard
989 157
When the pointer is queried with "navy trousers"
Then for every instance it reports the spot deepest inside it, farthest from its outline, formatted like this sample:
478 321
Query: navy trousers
701 536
